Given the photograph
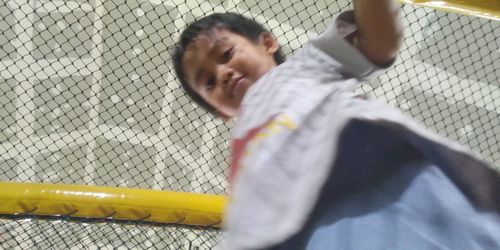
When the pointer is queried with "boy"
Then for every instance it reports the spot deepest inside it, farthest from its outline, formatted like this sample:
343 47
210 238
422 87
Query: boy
315 166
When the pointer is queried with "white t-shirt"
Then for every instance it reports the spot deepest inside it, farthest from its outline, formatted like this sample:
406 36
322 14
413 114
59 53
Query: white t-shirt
287 133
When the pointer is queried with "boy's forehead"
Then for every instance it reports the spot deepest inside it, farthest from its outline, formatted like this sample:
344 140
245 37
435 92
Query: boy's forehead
209 40
201 47
204 41
193 62
198 52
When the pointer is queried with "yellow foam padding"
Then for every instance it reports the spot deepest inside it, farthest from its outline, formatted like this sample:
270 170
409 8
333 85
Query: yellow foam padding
482 8
117 203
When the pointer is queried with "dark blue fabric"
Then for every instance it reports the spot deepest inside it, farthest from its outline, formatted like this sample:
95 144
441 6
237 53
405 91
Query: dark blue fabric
386 193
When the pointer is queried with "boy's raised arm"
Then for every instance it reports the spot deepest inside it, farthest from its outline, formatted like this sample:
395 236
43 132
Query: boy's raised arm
379 29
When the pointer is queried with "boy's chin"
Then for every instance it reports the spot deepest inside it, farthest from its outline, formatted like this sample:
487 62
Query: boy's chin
226 115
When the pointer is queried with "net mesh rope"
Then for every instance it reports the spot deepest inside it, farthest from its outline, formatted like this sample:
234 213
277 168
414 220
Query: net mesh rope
88 96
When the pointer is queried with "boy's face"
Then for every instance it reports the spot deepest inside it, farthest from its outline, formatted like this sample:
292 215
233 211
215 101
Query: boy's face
220 66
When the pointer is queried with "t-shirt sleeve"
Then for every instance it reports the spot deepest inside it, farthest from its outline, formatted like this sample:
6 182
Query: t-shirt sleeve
333 42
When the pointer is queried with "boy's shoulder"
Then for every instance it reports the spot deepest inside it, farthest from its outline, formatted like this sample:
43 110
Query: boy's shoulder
336 43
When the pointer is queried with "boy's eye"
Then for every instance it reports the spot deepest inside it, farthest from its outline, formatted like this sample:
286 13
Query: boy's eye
210 84
227 54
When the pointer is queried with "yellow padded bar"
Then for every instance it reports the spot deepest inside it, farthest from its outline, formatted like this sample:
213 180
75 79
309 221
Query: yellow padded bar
482 8
109 202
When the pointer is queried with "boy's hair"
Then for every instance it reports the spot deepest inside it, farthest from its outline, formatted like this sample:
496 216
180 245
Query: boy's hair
235 23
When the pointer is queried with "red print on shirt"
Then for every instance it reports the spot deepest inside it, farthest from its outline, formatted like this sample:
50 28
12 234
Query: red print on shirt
239 145
275 125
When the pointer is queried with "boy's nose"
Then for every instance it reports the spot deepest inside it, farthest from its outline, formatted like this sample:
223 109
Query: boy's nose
224 74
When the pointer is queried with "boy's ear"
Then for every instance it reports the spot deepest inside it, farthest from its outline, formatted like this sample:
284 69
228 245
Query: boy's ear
270 42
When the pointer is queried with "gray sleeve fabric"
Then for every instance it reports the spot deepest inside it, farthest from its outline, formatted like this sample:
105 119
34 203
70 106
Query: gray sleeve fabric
333 43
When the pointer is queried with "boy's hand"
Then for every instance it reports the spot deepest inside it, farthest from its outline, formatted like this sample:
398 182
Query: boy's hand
379 29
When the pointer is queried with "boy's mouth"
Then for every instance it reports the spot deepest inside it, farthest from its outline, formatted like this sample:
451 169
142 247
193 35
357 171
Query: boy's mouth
236 85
